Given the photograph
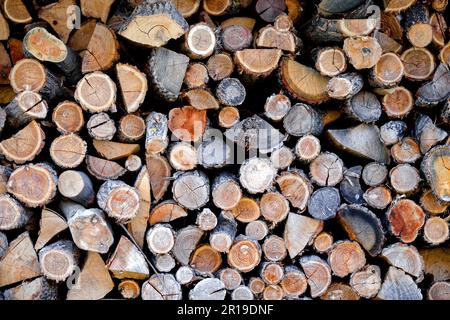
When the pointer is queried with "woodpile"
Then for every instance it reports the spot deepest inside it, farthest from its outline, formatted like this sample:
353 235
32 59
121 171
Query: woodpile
220 149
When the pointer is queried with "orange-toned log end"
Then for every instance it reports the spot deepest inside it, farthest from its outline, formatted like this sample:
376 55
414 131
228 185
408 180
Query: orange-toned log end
27 74
230 277
397 102
187 8
406 219
257 62
103 169
119 200
363 52
200 99
244 255
274 207
273 292
272 273
274 248
331 61
68 117
196 75
444 55
227 194
228 117
340 291
131 128
246 210
420 35
187 123
68 151
14 148
44 46
345 258
256 285
378 197
96 92
166 212
430 203
59 260
216 7
16 11
159 171
129 289
294 282
323 242
206 259
419 64
220 66
389 70
33 184
436 230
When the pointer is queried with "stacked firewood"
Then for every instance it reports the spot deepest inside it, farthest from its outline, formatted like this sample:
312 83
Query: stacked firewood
222 149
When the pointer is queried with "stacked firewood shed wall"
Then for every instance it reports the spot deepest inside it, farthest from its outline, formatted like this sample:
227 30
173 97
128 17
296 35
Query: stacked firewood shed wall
222 149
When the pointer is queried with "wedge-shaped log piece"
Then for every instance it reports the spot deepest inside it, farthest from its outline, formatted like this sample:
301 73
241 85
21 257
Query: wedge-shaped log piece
115 150
20 261
159 171
153 24
127 262
299 232
161 287
94 281
257 63
363 226
56 15
103 169
318 274
185 243
363 141
436 167
166 211
404 257
133 86
37 289
50 225
397 285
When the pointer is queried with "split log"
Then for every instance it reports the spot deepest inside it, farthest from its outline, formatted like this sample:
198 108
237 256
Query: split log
327 169
220 66
296 187
79 39
430 203
274 248
200 41
196 75
404 179
362 141
419 64
208 289
235 38
119 200
50 225
26 106
166 69
165 212
97 9
282 158
153 24
244 254
222 237
12 214
437 90
159 171
76 186
405 219
68 151
323 242
247 22
387 43
436 263
374 174
363 226
160 239
318 274
44 46
399 5
278 36
59 260
200 99
257 175
191 190
226 191
115 150
302 82
187 123
16 11
246 210
378 197
37 289
435 168
15 150
256 64
89 228
129 289
350 186
56 15
96 92
127 262
362 52
103 169
436 230
404 257
14 269
366 282
299 232
406 151
397 285
206 220
392 132
186 241
206 259
330 61
439 291
277 106
68 117
257 230
397 102
345 86
34 184
161 287
133 86
131 128
346 257
294 282
101 127
427 133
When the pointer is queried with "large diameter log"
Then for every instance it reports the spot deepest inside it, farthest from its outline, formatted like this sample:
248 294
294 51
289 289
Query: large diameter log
405 219
363 107
206 259
362 141
187 123
119 200
68 151
299 232
153 24
326 170
128 262
20 262
257 63
226 191
59 260
436 169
